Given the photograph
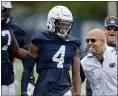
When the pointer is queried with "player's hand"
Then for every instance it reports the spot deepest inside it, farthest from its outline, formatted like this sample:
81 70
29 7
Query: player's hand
72 88
24 94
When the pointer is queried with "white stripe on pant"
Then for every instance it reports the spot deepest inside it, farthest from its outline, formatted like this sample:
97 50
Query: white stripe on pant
9 90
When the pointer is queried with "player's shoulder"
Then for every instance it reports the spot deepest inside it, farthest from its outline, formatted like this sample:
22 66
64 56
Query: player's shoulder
74 40
5 28
7 31
42 35
16 28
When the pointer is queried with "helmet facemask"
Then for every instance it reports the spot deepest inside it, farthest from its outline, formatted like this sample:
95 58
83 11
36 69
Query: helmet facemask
62 28
5 15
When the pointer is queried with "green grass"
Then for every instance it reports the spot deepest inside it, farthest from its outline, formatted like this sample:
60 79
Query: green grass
19 72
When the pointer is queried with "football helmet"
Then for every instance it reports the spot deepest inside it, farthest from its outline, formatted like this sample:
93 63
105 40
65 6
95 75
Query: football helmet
59 21
5 11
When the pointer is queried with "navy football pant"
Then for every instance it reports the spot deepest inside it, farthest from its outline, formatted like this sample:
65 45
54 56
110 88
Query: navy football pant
52 82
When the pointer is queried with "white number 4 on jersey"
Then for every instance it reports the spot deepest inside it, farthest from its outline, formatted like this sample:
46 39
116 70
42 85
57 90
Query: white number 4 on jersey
59 56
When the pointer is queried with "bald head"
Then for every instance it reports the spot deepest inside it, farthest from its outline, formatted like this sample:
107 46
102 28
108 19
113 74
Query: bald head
96 41
97 33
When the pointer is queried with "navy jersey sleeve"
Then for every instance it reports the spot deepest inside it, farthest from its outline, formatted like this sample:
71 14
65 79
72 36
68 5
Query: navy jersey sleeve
37 39
19 34
76 43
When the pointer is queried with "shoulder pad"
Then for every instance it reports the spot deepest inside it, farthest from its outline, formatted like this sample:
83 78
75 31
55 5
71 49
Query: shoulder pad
76 41
39 37
17 29
45 36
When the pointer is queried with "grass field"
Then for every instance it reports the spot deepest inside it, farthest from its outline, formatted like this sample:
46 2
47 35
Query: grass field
19 69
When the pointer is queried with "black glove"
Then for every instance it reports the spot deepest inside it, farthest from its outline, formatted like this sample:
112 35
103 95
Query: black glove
24 94
32 80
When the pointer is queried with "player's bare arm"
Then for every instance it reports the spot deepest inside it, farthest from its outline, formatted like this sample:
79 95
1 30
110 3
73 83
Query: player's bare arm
33 51
76 81
16 50
28 66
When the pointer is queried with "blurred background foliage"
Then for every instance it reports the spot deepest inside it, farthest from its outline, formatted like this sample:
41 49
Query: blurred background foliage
86 10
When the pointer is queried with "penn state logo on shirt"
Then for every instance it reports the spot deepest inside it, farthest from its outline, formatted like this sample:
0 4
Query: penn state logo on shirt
112 65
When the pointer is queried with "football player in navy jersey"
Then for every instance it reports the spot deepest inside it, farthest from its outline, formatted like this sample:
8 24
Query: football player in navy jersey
8 42
54 51
7 23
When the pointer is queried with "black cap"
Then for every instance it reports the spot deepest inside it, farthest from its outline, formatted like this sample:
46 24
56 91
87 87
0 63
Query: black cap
112 22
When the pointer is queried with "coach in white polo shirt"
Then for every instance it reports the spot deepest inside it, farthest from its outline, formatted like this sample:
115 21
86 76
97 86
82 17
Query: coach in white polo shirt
100 65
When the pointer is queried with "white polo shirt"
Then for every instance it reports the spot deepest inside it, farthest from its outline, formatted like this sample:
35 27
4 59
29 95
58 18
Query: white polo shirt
102 78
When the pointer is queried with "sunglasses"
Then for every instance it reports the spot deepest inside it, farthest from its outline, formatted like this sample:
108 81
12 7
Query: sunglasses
92 40
112 27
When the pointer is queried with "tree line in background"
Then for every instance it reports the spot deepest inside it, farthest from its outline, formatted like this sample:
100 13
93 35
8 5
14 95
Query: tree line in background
92 10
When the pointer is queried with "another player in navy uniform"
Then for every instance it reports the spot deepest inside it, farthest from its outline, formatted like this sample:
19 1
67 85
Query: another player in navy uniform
18 32
54 51
8 42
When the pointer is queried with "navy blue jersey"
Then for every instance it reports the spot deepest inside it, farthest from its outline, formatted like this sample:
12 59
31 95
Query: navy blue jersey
53 63
7 75
54 51
19 35
18 32
52 82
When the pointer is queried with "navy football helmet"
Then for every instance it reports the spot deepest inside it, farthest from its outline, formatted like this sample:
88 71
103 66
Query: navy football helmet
5 11
59 21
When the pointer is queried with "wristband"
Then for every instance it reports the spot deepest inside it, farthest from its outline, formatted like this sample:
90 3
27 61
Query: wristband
76 94
24 94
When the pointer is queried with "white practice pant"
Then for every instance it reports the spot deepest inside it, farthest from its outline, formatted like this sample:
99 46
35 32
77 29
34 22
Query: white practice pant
9 90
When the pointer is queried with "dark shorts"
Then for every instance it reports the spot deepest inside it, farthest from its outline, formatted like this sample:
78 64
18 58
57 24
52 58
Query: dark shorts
52 82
